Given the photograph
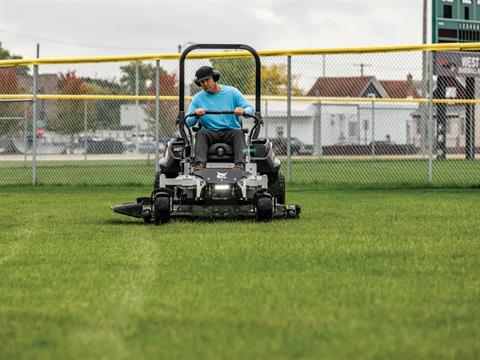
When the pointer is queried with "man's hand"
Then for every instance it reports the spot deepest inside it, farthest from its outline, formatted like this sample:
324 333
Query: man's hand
200 111
239 111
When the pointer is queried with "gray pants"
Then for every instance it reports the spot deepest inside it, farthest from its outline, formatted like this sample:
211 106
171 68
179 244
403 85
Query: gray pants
233 137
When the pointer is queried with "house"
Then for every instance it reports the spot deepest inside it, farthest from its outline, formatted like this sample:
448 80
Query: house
332 123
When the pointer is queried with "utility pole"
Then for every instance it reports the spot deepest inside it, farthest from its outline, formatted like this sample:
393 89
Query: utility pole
424 92
362 67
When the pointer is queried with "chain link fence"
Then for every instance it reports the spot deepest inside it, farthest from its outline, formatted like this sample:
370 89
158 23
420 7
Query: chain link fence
355 117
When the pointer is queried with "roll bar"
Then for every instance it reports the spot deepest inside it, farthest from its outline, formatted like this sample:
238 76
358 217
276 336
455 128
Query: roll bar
181 98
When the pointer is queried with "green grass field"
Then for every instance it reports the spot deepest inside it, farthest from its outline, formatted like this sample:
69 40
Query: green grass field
362 274
329 173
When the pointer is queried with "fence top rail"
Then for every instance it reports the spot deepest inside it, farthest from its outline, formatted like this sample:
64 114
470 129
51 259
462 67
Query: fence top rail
312 99
239 54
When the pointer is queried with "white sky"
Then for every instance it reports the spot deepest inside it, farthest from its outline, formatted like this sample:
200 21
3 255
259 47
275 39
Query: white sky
77 28
87 28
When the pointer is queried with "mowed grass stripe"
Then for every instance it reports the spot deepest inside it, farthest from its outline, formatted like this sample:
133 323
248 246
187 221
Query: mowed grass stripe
369 274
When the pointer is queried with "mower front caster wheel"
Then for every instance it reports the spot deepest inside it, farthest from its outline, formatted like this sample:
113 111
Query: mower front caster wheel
161 212
264 209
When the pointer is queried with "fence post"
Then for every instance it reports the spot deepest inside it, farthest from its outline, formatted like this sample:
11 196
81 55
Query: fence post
34 125
373 128
25 134
137 134
289 118
430 116
317 130
157 114
85 129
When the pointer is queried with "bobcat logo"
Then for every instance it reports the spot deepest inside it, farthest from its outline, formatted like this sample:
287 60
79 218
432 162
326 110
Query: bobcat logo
222 176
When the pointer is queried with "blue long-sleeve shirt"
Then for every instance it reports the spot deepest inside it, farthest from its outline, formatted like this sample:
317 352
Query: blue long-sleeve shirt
228 98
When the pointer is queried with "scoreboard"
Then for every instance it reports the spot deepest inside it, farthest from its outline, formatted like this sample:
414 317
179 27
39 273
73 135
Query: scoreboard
455 21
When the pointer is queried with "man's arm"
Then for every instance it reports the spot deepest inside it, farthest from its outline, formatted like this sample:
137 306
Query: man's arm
193 108
242 105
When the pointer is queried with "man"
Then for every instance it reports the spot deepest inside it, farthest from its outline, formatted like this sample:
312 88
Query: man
218 128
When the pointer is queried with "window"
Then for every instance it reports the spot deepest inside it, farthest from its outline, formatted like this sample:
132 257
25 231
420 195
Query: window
447 11
467 1
448 33
467 13
353 130
450 93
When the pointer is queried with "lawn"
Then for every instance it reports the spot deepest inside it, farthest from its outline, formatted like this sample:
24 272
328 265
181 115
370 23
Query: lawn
331 173
362 274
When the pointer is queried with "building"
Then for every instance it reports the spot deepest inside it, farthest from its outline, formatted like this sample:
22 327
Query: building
330 123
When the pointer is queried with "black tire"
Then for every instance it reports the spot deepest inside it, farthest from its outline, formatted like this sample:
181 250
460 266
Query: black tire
161 212
264 209
276 185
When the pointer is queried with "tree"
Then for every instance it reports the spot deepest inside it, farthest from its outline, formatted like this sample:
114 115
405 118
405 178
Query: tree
236 72
69 114
275 80
107 111
5 55
9 111
241 74
146 75
168 108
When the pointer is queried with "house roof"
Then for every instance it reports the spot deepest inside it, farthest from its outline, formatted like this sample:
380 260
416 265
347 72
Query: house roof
357 86
340 86
400 89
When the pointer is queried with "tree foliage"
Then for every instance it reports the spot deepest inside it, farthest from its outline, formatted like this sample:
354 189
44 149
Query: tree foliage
146 76
107 111
5 55
241 74
275 80
69 114
168 108
9 110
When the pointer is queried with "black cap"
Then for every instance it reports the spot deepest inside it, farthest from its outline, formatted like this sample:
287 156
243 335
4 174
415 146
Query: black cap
204 73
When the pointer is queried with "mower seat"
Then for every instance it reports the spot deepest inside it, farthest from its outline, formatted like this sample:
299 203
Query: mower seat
220 152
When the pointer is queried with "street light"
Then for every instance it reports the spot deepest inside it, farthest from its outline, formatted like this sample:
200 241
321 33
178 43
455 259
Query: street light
184 45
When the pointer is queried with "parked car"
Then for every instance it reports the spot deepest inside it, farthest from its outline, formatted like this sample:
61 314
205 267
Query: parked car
297 147
104 146
148 147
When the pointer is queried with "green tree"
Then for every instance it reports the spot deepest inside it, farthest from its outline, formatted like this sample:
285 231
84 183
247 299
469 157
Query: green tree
69 114
236 72
241 74
5 55
107 111
9 111
146 75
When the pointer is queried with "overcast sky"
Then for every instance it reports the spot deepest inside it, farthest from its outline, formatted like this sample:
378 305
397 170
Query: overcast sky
69 28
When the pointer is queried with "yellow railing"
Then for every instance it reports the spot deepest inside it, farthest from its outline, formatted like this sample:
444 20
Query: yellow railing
267 98
237 54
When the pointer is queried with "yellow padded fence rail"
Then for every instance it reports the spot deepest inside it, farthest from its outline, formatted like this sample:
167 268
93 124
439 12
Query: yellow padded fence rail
239 54
268 98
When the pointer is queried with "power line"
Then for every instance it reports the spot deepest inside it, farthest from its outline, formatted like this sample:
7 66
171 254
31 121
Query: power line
46 39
